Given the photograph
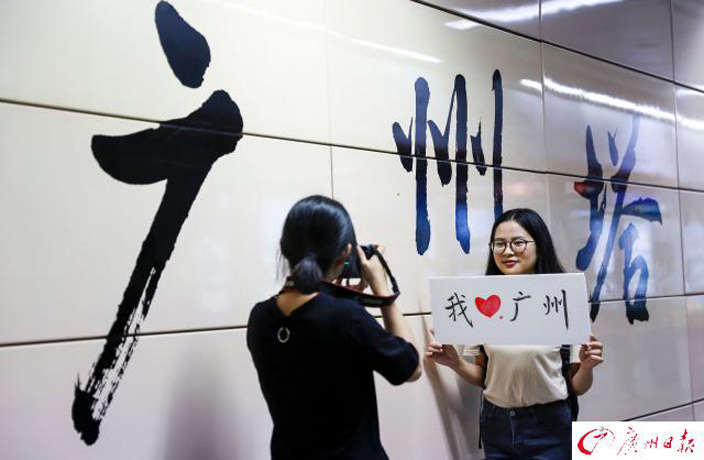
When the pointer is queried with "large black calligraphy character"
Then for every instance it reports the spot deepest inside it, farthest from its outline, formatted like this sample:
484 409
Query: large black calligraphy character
441 139
648 209
180 155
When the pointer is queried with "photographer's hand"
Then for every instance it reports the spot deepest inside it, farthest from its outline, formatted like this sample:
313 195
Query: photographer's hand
373 272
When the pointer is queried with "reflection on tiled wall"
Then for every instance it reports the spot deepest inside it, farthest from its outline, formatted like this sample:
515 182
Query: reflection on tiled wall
588 102
690 138
688 41
522 16
636 33
410 113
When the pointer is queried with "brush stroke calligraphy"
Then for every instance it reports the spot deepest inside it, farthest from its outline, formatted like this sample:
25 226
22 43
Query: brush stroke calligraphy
643 208
457 306
183 158
441 141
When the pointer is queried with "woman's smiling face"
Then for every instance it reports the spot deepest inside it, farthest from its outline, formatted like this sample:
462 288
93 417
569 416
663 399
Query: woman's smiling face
513 260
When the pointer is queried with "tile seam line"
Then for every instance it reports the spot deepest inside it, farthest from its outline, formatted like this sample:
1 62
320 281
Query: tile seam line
330 144
556 45
234 328
91 338
662 411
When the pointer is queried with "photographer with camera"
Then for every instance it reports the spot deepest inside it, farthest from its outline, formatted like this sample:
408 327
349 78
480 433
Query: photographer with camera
315 346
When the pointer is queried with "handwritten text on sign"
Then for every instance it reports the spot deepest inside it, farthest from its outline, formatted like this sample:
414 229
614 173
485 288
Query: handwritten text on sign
517 309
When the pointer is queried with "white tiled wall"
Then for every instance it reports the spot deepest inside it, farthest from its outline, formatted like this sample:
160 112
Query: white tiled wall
582 94
186 396
640 360
320 85
690 136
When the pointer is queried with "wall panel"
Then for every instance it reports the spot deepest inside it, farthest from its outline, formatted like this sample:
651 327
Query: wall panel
71 241
695 324
636 33
688 41
184 396
102 56
692 232
646 365
699 412
380 76
690 137
587 102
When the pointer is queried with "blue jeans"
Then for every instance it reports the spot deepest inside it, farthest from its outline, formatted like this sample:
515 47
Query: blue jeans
539 432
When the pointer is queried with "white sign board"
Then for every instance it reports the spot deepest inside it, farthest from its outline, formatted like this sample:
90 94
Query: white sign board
517 309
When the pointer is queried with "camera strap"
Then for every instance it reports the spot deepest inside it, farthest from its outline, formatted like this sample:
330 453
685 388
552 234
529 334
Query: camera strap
368 300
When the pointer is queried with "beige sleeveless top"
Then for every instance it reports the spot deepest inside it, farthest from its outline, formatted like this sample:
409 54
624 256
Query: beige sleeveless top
523 375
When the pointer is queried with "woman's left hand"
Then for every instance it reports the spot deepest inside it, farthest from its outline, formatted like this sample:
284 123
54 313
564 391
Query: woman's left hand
591 353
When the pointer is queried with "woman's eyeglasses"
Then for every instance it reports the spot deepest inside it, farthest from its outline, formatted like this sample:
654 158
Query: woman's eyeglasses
518 246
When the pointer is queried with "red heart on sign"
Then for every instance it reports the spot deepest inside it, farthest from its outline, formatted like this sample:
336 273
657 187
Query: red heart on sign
488 307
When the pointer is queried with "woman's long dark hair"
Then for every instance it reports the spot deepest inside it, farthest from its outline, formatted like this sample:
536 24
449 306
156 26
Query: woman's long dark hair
547 261
316 231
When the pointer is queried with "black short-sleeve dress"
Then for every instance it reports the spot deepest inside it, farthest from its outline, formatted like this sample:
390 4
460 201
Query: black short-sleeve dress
316 368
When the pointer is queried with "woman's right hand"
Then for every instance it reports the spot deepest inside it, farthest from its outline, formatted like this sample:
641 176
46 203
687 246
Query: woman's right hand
442 353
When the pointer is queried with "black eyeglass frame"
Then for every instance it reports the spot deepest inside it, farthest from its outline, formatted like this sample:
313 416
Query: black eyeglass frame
510 243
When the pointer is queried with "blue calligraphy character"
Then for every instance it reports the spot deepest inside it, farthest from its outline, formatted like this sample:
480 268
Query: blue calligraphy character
441 140
594 189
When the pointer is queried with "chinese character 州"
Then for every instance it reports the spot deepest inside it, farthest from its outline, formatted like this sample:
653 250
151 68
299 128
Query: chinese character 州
651 443
555 304
441 146
458 303
594 189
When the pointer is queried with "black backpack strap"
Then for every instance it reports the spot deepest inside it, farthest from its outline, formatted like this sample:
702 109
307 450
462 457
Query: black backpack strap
571 396
482 350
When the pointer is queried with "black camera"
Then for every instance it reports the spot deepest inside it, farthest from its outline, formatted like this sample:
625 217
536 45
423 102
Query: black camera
352 268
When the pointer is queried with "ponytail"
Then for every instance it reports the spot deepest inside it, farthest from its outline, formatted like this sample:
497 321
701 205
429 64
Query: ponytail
307 274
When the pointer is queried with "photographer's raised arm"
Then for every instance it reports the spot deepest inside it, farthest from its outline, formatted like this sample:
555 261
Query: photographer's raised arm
394 322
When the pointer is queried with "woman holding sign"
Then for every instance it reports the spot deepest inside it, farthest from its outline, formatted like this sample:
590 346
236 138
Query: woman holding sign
525 410
315 347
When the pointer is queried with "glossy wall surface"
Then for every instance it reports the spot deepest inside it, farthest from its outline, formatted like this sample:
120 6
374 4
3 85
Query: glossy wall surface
426 119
